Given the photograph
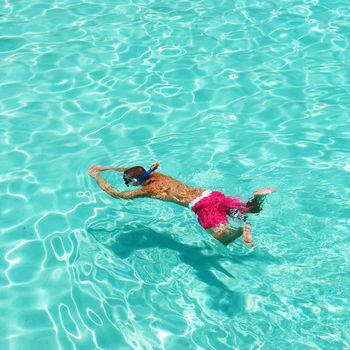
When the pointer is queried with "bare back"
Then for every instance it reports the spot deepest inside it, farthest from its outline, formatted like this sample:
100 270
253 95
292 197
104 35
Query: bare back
166 188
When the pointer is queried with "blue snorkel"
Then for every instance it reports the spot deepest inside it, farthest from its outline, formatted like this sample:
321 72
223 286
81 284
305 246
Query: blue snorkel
137 181
146 175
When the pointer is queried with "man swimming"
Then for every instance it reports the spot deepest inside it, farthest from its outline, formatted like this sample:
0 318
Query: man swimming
211 207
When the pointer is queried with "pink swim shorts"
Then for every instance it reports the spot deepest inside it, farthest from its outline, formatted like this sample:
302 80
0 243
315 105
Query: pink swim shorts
213 208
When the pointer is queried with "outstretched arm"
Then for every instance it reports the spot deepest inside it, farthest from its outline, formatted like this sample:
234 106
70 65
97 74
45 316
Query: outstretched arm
94 172
97 167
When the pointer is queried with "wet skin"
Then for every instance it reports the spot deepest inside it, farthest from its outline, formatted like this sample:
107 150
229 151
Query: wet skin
166 188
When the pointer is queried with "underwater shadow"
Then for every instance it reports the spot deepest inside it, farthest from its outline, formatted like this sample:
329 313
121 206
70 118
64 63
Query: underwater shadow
140 237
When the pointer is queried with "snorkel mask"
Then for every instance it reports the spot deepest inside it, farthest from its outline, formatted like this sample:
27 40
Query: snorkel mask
131 181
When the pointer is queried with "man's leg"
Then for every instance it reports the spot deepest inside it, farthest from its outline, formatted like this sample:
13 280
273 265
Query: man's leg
227 234
255 204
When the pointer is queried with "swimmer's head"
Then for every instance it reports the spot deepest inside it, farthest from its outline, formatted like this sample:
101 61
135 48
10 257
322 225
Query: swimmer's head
136 175
131 175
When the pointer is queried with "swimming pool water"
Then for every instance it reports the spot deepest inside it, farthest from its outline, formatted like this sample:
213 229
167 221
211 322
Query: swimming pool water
226 95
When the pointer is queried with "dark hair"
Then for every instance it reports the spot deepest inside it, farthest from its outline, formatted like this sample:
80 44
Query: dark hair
135 171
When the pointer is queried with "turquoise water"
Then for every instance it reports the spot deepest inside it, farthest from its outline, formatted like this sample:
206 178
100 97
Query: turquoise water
226 95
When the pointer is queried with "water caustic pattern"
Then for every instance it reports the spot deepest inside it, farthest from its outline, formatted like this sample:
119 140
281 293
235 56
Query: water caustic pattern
227 95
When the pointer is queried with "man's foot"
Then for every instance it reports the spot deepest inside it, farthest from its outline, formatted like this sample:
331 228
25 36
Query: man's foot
255 204
247 235
264 191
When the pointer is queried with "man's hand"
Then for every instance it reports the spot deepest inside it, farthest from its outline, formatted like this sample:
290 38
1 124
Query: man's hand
95 169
